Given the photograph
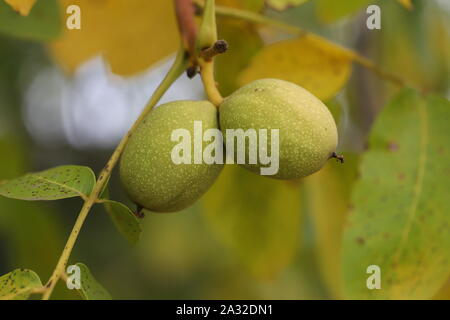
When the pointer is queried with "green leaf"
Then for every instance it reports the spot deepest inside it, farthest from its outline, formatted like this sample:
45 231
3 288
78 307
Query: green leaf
256 217
328 193
18 284
207 34
330 10
43 22
284 4
90 288
400 219
244 43
53 184
124 220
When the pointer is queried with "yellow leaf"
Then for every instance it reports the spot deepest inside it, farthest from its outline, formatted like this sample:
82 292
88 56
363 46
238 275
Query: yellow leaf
309 61
407 4
131 34
21 6
444 292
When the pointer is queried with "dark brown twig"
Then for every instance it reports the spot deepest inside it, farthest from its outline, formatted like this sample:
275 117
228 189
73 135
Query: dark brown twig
221 46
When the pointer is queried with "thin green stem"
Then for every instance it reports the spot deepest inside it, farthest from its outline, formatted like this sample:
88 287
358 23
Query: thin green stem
207 34
206 44
175 71
209 82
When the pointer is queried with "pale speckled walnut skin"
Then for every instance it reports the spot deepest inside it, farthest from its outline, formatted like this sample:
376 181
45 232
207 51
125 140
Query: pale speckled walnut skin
307 131
147 171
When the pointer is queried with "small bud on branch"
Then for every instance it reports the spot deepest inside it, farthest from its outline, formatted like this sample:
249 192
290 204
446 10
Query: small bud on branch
219 47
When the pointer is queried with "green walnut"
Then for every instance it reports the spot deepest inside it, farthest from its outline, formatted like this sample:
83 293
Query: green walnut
153 179
307 134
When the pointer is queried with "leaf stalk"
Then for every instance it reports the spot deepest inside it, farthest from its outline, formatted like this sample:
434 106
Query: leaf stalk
174 73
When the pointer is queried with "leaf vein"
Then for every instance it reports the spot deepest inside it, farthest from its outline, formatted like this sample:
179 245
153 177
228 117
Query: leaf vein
81 194
418 186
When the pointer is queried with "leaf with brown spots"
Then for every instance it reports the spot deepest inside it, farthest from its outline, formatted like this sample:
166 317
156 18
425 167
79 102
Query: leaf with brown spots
401 215
52 184
18 284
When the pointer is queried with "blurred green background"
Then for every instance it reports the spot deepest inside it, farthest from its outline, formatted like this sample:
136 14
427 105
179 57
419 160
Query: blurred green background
265 239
